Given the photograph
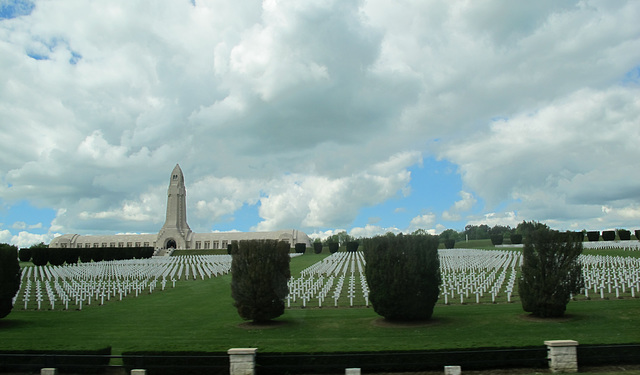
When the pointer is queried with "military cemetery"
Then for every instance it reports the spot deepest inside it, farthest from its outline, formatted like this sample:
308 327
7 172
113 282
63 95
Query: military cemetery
179 303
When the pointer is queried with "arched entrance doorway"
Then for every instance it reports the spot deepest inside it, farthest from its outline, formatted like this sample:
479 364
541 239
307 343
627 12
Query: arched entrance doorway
171 244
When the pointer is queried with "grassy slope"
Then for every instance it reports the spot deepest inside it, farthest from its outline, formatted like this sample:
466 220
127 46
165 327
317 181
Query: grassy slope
200 316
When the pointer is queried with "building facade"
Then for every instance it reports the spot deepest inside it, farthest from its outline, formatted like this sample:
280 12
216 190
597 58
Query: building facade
176 233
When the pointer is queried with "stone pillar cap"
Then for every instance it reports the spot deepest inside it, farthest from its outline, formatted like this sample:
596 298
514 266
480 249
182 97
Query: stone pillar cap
242 351
561 343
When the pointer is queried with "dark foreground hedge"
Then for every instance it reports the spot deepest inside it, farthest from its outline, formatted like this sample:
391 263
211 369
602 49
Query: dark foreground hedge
409 361
176 363
66 361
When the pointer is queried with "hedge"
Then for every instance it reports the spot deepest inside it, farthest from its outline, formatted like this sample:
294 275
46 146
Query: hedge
497 239
352 246
593 236
66 361
176 363
317 247
609 235
407 361
24 254
333 247
516 239
301 248
625 235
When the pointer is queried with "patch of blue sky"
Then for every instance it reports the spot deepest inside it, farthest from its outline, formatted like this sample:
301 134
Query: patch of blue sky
242 219
23 216
45 47
75 57
15 8
632 76
435 187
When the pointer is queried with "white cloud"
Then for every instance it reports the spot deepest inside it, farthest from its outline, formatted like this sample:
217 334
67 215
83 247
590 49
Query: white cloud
425 221
371 231
26 239
463 205
312 110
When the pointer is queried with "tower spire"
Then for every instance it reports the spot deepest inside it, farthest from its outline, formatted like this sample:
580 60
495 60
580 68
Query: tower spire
175 231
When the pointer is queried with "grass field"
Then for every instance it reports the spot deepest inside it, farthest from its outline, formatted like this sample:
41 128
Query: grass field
198 315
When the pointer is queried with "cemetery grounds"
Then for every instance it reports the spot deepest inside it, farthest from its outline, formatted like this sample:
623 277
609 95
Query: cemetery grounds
183 303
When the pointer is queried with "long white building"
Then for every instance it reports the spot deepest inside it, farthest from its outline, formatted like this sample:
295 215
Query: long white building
175 233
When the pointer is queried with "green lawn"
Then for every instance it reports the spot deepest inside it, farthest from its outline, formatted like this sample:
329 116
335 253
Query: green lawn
198 315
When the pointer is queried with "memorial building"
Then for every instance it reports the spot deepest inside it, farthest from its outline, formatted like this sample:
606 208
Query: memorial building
175 233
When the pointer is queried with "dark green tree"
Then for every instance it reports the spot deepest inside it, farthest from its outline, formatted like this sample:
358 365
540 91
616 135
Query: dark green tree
9 277
497 239
333 247
516 239
317 247
57 256
624 234
593 236
39 255
449 243
551 272
403 273
260 271
301 248
608 235
352 246
527 227
24 254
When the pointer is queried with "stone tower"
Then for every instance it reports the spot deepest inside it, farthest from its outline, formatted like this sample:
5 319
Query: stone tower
175 232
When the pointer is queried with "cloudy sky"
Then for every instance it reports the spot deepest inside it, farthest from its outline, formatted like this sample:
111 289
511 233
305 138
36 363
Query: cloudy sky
367 116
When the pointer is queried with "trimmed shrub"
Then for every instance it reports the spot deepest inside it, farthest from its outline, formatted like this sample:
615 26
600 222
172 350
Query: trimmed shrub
259 275
352 246
403 273
516 239
593 236
550 273
57 256
97 253
24 254
637 233
624 235
497 239
72 255
609 235
301 248
40 256
86 254
333 247
317 247
9 277
449 243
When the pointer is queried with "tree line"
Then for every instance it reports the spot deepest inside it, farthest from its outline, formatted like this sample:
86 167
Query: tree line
41 255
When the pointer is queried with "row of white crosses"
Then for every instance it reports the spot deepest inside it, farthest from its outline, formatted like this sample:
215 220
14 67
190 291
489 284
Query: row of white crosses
608 245
468 276
606 276
85 283
340 275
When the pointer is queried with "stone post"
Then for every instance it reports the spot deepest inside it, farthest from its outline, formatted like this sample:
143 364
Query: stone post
242 361
452 370
48 371
562 355
352 371
139 372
